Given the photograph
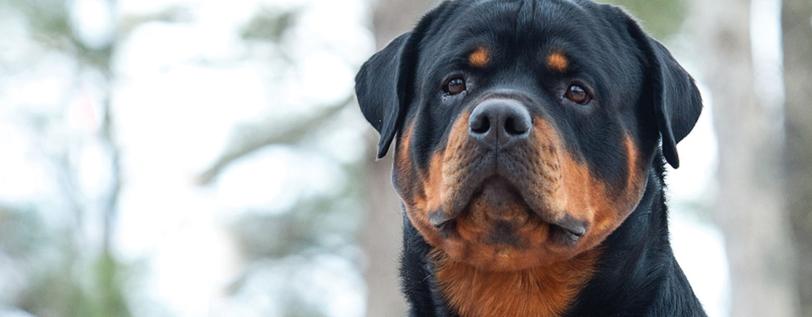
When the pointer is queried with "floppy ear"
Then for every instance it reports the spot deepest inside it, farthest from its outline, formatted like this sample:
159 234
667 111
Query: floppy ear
381 87
385 81
675 99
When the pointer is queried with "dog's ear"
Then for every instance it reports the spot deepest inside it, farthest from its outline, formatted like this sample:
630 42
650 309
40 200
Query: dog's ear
381 88
675 99
386 81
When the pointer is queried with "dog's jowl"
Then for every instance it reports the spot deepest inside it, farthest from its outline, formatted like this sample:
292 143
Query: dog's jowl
530 142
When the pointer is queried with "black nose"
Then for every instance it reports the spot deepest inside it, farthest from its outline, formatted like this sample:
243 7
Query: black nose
499 122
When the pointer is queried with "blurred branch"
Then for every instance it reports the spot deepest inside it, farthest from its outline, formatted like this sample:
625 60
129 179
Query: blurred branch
110 204
306 229
50 23
129 23
266 134
269 25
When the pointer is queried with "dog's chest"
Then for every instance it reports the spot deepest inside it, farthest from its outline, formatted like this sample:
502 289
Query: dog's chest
543 292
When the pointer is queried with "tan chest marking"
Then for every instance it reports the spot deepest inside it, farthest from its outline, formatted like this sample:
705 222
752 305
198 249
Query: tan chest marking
543 291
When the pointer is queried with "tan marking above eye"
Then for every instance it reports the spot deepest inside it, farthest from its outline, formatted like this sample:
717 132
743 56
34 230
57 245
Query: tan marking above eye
557 61
480 57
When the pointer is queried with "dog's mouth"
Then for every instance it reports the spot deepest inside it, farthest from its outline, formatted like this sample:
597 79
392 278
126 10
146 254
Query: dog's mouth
505 207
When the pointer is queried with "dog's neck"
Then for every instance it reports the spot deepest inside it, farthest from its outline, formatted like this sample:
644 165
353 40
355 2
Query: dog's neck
630 271
542 291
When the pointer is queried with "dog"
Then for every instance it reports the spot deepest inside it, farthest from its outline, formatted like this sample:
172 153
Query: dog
531 143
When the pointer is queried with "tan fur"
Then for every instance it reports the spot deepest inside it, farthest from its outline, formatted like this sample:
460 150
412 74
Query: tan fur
480 57
585 197
539 292
632 165
404 174
557 61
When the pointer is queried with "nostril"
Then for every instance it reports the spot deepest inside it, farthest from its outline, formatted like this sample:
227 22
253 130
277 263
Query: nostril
480 125
511 128
516 126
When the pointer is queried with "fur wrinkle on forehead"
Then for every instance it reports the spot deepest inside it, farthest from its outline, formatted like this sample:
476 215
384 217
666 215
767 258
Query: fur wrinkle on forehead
480 57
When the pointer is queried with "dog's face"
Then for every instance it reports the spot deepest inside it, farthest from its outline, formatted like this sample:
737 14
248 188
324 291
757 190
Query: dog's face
525 129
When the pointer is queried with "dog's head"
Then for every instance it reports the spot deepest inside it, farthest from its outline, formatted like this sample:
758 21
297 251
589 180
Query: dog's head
525 129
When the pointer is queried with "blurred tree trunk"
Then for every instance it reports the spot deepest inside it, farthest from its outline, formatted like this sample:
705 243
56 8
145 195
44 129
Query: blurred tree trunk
381 236
750 206
797 29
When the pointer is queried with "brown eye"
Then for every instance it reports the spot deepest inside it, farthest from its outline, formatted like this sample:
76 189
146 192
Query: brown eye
455 86
578 94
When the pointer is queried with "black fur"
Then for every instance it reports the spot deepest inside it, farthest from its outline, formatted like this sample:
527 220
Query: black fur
645 93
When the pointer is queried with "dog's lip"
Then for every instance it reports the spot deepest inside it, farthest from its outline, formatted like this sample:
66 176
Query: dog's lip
472 191
439 219
568 230
472 188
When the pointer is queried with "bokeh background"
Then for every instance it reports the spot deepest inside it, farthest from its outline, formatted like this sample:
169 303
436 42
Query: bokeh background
207 157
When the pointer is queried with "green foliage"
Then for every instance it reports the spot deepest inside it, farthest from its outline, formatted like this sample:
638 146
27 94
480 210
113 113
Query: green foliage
295 307
269 25
312 225
315 225
660 17
21 231
109 288
71 288
93 292
49 22
66 274
61 280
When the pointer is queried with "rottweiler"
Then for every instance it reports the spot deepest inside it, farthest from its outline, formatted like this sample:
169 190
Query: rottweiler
532 138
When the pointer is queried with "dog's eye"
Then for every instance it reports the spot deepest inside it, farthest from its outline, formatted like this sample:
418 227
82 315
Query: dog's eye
455 86
577 93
